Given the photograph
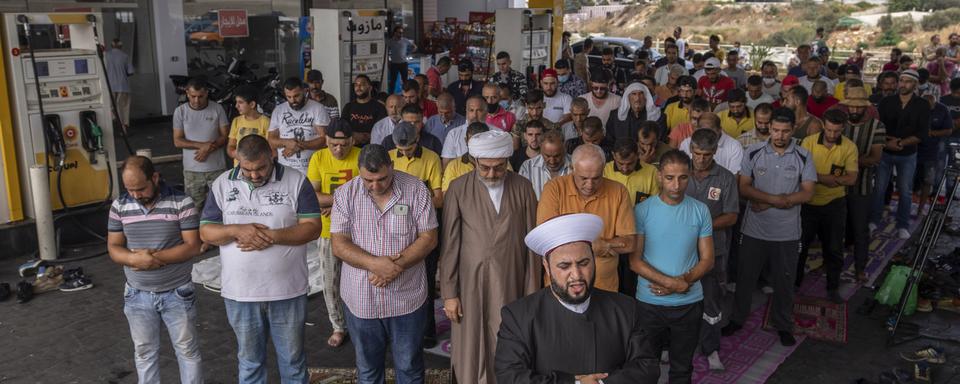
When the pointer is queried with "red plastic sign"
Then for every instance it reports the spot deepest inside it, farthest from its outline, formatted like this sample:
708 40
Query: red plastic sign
233 23
15 52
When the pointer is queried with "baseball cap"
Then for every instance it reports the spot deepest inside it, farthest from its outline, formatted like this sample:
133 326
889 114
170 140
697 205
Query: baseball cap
404 134
712 63
790 80
338 125
549 72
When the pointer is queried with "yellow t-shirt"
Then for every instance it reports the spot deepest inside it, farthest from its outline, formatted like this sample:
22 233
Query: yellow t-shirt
241 127
838 90
424 166
455 169
676 115
331 173
640 184
733 127
837 160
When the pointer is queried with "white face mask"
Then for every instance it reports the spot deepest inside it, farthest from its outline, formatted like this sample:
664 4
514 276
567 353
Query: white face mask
768 81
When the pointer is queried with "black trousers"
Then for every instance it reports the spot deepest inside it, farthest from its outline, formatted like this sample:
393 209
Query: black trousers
858 217
431 262
781 256
712 311
679 328
396 71
826 222
628 278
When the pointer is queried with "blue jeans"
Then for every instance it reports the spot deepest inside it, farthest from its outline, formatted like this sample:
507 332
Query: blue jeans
405 337
176 309
284 321
906 168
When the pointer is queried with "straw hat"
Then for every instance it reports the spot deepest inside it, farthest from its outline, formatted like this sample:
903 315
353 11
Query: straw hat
856 97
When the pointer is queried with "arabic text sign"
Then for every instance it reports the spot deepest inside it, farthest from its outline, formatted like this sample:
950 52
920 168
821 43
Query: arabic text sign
365 28
233 23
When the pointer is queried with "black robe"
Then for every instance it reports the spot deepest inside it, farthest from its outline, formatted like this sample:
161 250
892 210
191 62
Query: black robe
540 341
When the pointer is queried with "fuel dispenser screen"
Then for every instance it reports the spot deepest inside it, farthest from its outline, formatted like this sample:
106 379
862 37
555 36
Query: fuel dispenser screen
80 66
43 69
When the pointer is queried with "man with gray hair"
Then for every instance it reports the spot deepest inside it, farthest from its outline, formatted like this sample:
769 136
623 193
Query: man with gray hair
716 187
383 280
384 127
585 190
729 152
486 215
553 161
446 118
262 214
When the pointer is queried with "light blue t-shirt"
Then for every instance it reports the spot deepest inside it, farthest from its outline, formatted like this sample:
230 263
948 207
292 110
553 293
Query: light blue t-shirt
671 233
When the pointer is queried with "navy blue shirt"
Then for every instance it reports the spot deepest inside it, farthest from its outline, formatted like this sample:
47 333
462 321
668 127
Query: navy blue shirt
929 148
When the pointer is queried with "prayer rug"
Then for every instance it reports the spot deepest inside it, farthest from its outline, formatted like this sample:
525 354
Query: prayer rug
349 376
443 331
817 318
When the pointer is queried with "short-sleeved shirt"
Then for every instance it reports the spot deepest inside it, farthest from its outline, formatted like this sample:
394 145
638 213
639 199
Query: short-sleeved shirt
611 202
118 69
729 152
536 171
437 127
242 127
556 106
641 183
776 174
837 160
398 49
733 127
602 112
929 149
865 135
715 93
671 237
426 140
203 126
751 137
362 116
720 193
676 115
455 169
424 165
278 272
159 227
301 125
455 145
382 233
331 173
330 104
902 122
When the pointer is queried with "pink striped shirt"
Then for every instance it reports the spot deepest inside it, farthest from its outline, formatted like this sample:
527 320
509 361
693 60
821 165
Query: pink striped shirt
383 233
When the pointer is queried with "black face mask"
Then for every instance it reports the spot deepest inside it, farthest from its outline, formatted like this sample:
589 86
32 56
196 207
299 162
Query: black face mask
492 108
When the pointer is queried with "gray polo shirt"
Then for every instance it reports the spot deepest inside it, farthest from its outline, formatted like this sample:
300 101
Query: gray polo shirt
278 272
201 125
719 192
776 174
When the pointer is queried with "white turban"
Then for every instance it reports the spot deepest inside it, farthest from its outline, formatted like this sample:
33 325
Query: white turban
562 230
653 113
493 144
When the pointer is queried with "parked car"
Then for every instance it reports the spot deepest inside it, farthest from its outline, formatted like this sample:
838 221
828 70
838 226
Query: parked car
623 50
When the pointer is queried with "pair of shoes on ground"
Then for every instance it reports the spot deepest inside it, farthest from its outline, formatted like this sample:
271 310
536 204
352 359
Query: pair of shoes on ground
786 338
74 280
902 233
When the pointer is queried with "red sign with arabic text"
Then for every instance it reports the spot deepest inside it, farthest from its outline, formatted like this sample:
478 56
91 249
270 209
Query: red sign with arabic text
233 23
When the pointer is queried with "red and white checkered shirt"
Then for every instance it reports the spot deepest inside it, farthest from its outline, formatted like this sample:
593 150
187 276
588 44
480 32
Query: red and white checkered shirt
383 233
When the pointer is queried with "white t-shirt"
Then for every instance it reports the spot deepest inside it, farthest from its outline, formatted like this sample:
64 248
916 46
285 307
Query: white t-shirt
557 106
381 130
602 112
454 145
729 152
302 125
753 103
808 84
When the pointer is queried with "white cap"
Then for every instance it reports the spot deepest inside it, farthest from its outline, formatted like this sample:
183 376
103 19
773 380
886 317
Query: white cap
494 144
711 63
562 230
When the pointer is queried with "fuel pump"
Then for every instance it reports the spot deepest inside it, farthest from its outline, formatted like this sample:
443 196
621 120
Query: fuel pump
348 43
533 49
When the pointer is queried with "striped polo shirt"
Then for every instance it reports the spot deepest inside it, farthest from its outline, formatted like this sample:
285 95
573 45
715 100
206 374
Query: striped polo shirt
278 272
156 228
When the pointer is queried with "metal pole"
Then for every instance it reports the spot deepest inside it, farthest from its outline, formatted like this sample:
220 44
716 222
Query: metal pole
43 212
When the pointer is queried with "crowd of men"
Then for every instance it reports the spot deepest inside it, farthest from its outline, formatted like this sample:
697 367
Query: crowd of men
639 200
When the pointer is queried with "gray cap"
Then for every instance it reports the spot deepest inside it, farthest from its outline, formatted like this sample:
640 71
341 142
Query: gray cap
404 134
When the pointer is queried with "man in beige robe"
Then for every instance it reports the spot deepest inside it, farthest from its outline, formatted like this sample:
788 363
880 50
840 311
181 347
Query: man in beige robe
484 263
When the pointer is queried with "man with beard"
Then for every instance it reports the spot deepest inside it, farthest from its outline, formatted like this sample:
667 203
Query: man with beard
579 112
465 87
483 263
552 162
737 118
755 93
455 145
435 76
869 135
533 102
262 214
599 100
777 176
715 187
932 152
581 62
509 76
887 87
806 124
296 127
497 117
556 104
531 144
714 86
714 48
906 118
569 83
813 72
823 217
153 234
328 101
636 106
412 96
592 133
678 112
673 251
585 190
953 49
384 127
617 75
412 114
363 112
729 151
601 338
734 71
649 145
663 65
762 116
820 101
445 120
796 66
330 168
200 129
